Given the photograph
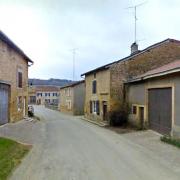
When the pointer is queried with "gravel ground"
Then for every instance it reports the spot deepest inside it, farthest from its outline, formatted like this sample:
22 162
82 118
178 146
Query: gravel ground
68 148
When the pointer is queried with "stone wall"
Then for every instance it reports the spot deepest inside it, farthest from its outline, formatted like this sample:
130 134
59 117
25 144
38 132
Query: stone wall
123 70
103 92
10 62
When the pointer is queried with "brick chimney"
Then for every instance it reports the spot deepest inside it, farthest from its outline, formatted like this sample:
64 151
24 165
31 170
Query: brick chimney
134 48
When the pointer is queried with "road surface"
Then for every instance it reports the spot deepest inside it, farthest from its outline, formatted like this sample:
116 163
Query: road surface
68 148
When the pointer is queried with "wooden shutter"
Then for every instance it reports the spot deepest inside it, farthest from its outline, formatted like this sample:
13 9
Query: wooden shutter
94 87
97 107
90 106
20 79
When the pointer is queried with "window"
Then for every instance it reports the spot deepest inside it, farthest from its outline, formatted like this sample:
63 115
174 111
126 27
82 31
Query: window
94 107
94 75
54 94
68 102
45 94
19 79
19 103
94 87
134 109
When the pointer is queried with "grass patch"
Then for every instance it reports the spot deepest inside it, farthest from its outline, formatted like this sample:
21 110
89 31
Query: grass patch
11 154
170 140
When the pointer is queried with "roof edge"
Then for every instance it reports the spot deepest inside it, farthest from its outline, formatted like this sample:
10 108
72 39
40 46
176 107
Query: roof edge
8 41
72 84
132 56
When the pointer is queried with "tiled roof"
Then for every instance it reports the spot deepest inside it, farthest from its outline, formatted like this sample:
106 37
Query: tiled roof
132 55
47 88
10 43
72 84
163 70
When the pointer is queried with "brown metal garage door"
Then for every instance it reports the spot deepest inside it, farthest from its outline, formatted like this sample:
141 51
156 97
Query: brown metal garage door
160 109
4 106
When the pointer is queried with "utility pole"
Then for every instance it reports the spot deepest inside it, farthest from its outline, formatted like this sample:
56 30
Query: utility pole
74 63
135 19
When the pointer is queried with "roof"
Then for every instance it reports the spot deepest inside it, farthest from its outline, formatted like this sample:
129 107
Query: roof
73 84
10 43
132 55
47 88
161 71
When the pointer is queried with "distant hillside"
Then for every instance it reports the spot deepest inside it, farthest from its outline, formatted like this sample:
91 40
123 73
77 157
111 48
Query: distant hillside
50 82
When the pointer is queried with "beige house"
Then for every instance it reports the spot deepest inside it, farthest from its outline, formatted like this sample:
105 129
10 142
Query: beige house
105 92
72 98
31 95
13 81
47 95
154 99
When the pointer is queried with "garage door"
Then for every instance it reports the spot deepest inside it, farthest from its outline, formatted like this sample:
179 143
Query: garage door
4 107
160 109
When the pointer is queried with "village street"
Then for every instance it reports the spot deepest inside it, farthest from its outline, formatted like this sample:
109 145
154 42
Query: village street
68 148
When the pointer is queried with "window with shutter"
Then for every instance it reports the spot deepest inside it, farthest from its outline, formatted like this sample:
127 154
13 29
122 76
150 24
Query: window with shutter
97 107
19 79
94 87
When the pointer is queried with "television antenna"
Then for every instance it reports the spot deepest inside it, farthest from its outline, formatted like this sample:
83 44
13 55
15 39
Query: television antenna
135 18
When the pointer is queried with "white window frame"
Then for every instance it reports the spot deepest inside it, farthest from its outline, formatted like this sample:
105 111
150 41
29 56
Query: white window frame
94 107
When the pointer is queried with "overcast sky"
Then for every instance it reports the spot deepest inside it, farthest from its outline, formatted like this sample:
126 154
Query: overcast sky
101 31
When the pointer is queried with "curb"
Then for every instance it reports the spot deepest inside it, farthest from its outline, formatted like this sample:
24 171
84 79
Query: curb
94 122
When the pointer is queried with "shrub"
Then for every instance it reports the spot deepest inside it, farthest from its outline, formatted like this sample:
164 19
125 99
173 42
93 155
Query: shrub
117 118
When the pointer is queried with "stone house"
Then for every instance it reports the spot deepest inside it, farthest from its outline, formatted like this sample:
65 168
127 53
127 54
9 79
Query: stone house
47 95
13 81
154 99
72 98
105 92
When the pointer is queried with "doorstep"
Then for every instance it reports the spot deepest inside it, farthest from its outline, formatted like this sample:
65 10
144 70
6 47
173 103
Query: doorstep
101 123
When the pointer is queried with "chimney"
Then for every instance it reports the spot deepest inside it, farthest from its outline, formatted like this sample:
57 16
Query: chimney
134 48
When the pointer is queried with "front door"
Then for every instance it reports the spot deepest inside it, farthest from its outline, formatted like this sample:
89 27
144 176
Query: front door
141 116
104 110
24 107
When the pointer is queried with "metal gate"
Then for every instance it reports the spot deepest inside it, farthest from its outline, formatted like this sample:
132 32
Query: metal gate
4 103
160 109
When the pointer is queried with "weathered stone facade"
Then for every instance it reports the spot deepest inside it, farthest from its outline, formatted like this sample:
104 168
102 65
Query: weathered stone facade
72 98
12 61
156 57
102 95
119 71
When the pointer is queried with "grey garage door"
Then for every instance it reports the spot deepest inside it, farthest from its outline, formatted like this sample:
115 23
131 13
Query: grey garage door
160 109
4 100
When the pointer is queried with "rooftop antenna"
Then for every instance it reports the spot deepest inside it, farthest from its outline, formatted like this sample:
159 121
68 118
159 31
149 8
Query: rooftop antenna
135 18
74 67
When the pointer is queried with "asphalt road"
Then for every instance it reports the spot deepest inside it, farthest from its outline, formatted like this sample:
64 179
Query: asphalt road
67 148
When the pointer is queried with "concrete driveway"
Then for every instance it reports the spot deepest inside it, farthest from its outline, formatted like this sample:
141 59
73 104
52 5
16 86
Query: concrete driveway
67 148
